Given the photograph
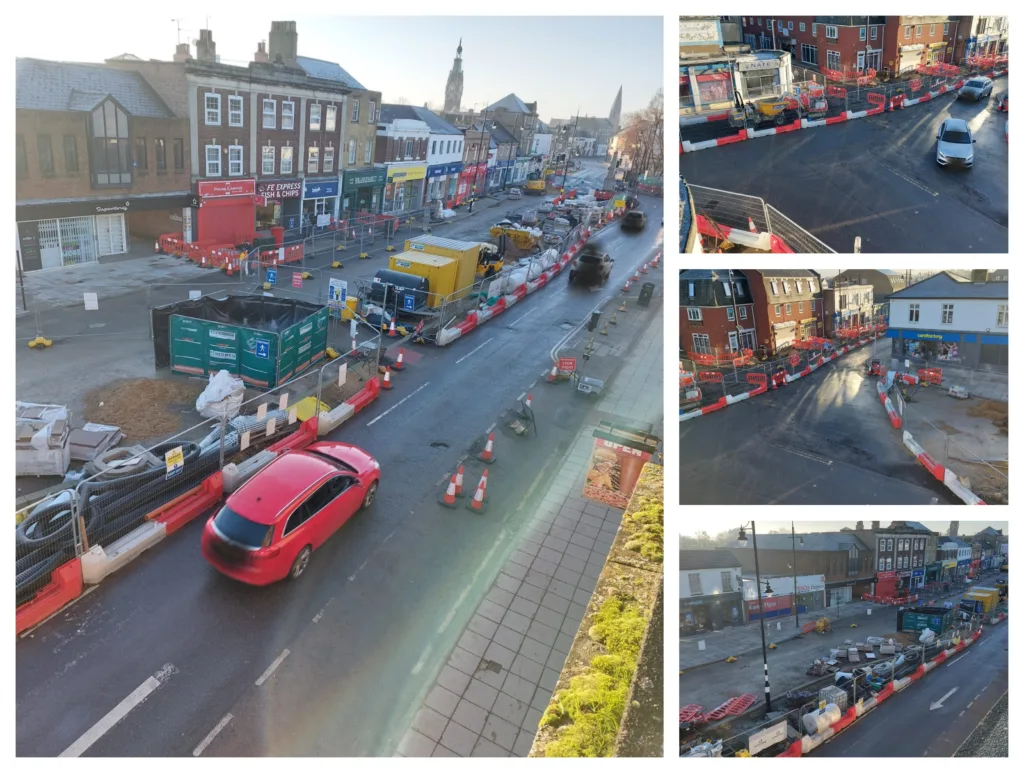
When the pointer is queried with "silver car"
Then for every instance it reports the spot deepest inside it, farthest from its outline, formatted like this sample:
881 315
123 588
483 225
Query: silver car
976 89
956 144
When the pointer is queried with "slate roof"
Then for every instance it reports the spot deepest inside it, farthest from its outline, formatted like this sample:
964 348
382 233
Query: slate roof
511 102
819 541
330 71
502 135
707 559
64 86
708 291
948 285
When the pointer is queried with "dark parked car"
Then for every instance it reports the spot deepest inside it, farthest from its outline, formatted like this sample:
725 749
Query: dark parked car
634 220
591 267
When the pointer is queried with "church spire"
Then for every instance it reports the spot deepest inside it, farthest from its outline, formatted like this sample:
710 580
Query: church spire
453 89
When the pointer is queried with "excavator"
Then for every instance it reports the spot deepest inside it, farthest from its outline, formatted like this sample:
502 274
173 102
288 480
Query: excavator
535 184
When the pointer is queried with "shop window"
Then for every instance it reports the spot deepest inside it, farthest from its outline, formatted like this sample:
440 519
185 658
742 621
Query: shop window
45 146
235 117
355 111
236 167
287 159
267 167
212 104
179 155
22 158
947 314
313 160
160 147
288 116
110 153
213 160
367 151
331 121
351 151
994 355
270 114
70 153
314 117
329 159
141 155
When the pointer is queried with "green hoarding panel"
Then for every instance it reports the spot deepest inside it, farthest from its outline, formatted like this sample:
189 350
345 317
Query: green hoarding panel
188 345
222 348
286 361
258 355
320 322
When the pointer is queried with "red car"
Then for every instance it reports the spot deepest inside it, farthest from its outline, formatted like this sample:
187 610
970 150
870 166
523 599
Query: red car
603 194
269 528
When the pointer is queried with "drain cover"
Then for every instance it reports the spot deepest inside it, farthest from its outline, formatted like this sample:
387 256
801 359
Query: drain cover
566 326
489 665
438 444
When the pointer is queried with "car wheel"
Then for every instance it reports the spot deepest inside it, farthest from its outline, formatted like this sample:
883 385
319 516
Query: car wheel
301 563
371 494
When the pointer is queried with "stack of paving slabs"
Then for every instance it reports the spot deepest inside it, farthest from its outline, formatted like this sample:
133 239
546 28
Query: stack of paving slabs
92 440
41 439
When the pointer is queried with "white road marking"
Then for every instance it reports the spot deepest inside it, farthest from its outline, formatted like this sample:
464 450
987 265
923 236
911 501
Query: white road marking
119 712
961 713
389 410
520 398
490 429
826 462
272 668
423 660
465 591
318 616
910 180
467 356
352 576
516 322
198 751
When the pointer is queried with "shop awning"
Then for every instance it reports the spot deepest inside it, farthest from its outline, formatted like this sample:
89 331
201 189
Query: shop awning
714 76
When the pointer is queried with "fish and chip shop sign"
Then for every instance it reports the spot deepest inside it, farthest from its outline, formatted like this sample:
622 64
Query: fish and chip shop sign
758 64
758 742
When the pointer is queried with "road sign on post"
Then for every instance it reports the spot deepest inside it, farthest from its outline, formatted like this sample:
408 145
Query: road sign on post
297 280
567 364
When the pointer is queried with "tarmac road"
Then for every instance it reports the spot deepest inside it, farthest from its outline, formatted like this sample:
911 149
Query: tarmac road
910 725
361 627
876 178
823 439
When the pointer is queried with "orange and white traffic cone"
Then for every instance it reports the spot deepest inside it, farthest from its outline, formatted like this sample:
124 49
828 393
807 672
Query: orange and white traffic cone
529 401
391 330
750 225
156 246
387 378
478 504
229 267
643 269
400 363
625 287
458 481
636 276
448 498
552 377
353 344
487 455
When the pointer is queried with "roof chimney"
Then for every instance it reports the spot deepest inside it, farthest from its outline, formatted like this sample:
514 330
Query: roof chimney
979 275
261 52
182 52
206 49
284 42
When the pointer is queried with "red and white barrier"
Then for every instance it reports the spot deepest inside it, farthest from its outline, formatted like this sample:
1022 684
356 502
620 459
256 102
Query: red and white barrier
696 120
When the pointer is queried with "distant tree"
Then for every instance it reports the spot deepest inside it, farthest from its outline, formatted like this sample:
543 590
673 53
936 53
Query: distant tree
642 139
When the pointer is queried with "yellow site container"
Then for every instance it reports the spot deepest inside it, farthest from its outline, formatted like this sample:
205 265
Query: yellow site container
351 308
991 592
987 601
440 272
466 253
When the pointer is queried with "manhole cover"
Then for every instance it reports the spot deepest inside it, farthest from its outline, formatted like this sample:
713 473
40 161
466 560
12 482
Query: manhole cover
566 326
438 444
489 665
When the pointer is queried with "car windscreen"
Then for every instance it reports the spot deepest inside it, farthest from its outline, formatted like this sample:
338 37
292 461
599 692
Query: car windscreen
240 529
634 215
975 84
956 137
591 259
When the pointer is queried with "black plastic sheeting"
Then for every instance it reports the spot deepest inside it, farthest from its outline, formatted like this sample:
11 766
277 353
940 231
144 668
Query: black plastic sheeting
110 509
252 311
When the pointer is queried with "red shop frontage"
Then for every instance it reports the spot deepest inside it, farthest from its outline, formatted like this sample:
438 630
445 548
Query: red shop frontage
465 187
227 211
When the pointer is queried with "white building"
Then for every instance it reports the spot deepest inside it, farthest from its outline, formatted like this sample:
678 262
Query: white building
407 171
542 137
952 319
710 584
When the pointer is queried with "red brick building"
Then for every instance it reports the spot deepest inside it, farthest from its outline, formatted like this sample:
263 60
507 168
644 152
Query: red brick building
854 43
101 159
787 305
716 312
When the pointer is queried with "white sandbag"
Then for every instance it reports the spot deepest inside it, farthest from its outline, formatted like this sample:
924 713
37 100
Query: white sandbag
819 721
222 397
516 279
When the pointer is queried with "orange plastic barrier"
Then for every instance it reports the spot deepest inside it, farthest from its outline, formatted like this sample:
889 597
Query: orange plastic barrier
65 586
930 375
191 504
366 395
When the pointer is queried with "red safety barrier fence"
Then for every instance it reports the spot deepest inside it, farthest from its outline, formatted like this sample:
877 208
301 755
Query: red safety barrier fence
710 376
875 98
836 91
930 375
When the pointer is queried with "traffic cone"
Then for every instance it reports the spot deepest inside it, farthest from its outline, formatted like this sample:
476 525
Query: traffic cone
604 330
387 378
448 498
487 455
625 287
458 482
529 401
353 344
750 225
643 269
553 375
636 276
229 267
400 363
622 308
614 320
478 504
391 330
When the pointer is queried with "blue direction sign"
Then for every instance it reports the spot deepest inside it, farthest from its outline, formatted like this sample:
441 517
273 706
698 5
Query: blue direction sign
409 302
263 347
272 276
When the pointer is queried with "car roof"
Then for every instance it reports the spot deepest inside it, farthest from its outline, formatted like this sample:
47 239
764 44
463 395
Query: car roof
957 124
265 496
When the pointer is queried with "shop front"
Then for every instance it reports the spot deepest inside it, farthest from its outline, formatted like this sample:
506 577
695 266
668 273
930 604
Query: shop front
227 211
705 88
935 52
910 57
710 613
519 169
64 234
775 606
278 204
948 571
844 592
967 349
933 572
362 190
465 183
403 191
760 78
437 183
320 202
783 335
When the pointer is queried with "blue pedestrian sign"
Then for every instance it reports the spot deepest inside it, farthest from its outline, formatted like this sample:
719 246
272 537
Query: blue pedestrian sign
272 276
409 302
263 347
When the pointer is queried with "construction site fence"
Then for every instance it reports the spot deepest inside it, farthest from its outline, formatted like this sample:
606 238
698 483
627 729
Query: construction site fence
738 210
137 486
791 706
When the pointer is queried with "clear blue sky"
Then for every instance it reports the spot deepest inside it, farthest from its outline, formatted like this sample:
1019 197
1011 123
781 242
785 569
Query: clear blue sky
559 62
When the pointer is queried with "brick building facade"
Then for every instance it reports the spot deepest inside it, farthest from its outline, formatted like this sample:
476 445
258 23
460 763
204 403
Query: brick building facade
716 312
787 305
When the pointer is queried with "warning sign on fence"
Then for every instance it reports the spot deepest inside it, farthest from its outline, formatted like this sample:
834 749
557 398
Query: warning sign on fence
175 461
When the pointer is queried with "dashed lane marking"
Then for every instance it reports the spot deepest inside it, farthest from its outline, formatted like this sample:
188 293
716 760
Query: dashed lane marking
389 410
516 322
470 354
272 668
119 712
472 581
812 457
423 660
909 179
198 751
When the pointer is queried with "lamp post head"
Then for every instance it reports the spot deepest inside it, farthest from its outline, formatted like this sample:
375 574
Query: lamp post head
768 592
741 538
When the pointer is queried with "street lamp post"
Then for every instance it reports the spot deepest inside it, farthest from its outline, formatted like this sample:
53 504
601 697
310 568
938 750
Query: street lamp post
742 540
796 601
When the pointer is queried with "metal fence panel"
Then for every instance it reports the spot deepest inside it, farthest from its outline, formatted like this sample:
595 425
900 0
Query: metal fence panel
798 239
46 536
